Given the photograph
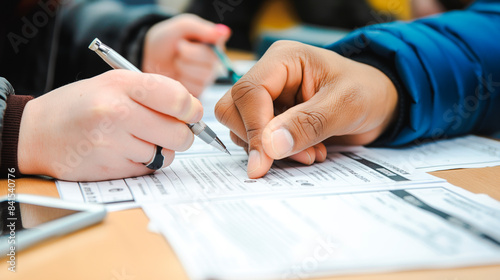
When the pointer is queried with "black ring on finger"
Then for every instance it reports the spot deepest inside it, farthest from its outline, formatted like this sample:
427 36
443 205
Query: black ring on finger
157 161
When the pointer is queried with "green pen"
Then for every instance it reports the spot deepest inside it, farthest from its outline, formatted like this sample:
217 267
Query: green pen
227 63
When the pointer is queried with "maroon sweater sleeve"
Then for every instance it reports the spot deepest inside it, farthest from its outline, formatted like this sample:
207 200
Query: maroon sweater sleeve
10 134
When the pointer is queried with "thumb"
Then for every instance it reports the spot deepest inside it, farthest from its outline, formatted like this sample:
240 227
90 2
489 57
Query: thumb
298 128
198 29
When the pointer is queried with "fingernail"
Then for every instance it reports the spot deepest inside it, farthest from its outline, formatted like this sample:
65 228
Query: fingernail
309 158
282 142
222 29
253 161
303 157
319 154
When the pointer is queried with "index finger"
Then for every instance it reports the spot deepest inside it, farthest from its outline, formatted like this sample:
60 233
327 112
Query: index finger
161 94
228 115
274 75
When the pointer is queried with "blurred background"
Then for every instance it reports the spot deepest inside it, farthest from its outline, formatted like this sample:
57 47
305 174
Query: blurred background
256 24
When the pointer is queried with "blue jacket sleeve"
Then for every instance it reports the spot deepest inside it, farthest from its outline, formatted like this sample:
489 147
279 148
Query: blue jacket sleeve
449 66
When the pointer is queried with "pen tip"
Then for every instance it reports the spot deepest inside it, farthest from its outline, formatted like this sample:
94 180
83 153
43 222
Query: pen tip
219 145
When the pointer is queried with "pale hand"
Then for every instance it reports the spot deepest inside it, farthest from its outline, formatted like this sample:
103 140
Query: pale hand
178 48
106 127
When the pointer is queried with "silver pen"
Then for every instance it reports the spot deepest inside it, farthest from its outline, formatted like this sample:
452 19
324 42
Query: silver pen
117 61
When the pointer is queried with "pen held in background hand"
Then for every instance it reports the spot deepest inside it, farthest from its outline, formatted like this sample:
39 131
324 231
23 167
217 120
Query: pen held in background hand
117 61
227 63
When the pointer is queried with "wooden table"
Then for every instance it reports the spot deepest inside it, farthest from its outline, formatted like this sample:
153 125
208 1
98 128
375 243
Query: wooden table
121 247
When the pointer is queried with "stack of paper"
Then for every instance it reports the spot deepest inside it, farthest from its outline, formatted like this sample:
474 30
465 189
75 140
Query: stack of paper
431 226
461 152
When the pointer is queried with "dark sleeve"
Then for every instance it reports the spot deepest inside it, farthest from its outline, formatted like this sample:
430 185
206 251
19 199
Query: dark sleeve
12 107
120 26
448 65
347 14
239 15
453 4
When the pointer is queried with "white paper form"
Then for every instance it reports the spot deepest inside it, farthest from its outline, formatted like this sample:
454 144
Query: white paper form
213 177
209 98
301 237
462 152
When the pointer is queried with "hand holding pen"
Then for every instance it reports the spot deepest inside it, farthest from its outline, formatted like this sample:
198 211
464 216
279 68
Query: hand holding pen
177 48
106 127
199 128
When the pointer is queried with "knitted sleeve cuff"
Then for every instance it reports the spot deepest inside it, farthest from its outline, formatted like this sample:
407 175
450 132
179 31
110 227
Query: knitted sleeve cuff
10 135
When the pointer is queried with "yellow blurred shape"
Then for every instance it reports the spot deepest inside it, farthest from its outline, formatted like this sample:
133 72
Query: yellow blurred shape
275 14
399 8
